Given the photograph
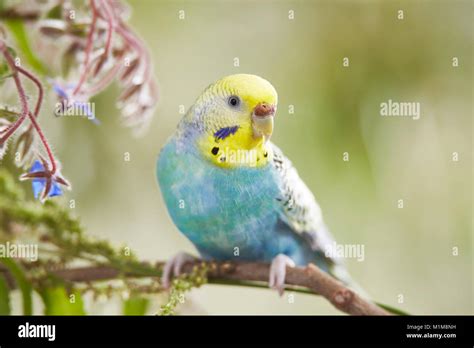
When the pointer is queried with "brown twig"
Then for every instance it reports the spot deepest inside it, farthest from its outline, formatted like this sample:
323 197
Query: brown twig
310 277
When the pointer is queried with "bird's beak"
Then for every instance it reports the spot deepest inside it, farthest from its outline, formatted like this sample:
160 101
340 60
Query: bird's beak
262 120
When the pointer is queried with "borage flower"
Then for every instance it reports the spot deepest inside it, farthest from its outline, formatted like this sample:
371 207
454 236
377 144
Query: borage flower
45 182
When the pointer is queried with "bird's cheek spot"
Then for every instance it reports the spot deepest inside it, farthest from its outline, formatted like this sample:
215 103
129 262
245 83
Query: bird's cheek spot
215 151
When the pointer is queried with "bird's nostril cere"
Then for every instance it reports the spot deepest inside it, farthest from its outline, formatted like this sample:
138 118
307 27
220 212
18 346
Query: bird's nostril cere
264 109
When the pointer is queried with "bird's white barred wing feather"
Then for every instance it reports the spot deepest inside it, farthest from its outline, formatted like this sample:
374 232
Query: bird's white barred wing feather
299 208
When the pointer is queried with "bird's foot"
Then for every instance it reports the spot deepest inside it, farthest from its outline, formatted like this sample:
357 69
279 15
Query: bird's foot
278 272
173 267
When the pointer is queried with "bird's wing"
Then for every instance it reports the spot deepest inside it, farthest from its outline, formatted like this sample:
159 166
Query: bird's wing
299 209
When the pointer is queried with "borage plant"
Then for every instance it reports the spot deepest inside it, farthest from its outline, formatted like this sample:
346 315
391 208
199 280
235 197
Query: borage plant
96 48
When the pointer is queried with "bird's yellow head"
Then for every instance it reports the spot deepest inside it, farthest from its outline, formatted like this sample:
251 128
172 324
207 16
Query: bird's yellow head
234 119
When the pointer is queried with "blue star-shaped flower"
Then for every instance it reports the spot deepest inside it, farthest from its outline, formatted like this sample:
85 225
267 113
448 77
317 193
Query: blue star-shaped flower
39 184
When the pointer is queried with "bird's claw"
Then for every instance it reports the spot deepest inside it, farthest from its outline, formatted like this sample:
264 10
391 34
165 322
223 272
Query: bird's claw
278 272
173 267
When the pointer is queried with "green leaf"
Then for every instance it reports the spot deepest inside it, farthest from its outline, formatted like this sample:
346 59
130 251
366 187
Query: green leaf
391 309
69 59
22 283
18 31
79 29
4 297
135 306
58 302
56 12
8 114
5 70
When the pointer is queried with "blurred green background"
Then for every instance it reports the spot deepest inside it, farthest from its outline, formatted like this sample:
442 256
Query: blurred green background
408 251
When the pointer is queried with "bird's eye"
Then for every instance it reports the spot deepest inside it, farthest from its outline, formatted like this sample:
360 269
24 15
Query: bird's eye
234 101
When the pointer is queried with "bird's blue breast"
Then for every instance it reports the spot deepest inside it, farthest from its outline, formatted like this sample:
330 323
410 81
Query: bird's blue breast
226 213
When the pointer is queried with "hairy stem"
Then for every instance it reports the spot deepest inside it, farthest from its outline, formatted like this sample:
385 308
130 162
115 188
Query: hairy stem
24 102
89 45
39 86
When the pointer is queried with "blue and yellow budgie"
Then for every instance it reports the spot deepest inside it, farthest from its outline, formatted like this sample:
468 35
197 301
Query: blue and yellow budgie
232 192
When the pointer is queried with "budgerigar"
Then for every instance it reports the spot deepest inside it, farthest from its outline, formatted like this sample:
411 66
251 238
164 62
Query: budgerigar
232 192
